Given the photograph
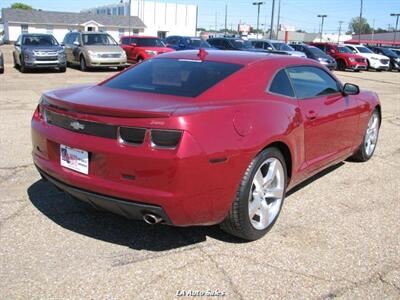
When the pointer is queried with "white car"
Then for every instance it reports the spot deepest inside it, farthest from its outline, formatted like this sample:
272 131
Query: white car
375 61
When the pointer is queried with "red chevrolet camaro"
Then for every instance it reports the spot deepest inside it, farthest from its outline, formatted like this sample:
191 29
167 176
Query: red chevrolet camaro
197 138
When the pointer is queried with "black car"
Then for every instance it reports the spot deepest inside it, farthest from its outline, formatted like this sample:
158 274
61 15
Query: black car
228 43
317 54
394 58
1 63
34 51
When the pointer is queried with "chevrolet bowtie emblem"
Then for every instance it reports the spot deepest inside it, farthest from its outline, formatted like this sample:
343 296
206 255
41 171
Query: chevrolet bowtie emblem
77 126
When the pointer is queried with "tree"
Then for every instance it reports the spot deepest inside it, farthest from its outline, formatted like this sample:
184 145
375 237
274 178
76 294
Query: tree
380 30
359 26
301 31
18 5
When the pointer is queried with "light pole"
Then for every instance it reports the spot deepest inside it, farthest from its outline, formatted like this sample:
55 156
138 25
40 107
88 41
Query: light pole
258 14
340 31
129 16
272 19
397 23
322 25
359 25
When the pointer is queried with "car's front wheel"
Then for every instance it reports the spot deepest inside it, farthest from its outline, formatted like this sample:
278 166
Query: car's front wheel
367 148
82 64
259 198
22 67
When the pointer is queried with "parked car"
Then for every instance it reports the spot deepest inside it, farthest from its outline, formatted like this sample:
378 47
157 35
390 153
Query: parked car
273 45
139 48
317 54
90 49
345 59
144 143
34 51
395 50
229 43
394 58
186 43
375 61
1 63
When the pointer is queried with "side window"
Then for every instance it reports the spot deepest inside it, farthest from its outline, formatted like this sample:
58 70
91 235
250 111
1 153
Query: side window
226 44
75 38
172 40
125 41
258 45
309 82
281 85
322 47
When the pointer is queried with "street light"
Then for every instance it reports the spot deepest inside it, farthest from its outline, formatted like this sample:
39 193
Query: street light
258 14
322 25
397 23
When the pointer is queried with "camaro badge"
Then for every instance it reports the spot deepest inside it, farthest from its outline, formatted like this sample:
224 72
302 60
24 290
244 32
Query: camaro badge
77 126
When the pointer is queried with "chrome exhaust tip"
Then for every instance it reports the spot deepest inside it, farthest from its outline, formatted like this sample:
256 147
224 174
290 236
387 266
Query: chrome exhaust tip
152 219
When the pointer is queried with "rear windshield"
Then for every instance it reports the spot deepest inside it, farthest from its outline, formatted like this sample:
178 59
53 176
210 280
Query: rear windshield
198 43
187 78
98 39
39 40
149 42
317 52
364 50
242 44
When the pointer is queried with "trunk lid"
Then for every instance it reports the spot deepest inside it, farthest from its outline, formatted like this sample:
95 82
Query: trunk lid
105 101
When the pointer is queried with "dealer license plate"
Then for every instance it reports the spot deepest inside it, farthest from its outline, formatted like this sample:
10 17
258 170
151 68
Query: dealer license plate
74 159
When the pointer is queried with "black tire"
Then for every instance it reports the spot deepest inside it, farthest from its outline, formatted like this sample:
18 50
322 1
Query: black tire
361 155
82 64
62 69
341 65
22 67
15 62
238 222
121 68
1 70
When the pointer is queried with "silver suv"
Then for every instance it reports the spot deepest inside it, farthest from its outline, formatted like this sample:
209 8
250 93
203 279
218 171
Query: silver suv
93 49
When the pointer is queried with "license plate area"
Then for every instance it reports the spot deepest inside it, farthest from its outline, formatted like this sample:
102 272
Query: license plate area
74 159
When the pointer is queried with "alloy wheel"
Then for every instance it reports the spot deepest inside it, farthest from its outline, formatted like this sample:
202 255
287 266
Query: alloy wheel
371 136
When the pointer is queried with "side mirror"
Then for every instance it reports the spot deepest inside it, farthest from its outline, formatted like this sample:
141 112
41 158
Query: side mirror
350 89
269 48
133 44
17 44
76 43
332 51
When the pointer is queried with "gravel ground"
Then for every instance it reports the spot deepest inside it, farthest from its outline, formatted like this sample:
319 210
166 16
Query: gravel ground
337 236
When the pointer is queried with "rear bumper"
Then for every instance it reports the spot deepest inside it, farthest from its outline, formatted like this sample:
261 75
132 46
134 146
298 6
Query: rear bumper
129 209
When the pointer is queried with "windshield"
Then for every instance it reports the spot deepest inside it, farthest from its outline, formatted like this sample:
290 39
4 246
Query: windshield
364 50
39 40
188 78
98 39
342 49
241 44
318 52
388 52
198 43
149 42
282 46
397 51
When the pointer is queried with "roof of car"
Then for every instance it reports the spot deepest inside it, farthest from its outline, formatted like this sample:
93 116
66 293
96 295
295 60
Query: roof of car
139 37
234 57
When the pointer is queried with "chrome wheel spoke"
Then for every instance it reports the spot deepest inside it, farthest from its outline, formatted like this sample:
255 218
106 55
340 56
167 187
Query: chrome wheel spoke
371 134
254 206
276 193
259 180
271 173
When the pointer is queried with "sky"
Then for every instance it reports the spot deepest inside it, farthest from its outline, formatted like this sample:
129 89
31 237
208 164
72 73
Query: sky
302 14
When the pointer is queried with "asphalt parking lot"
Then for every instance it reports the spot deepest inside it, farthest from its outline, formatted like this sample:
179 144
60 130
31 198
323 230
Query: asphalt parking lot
338 235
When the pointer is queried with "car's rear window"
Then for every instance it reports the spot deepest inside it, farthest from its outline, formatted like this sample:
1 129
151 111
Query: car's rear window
187 78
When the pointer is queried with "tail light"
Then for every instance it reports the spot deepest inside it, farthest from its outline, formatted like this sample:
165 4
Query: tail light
40 108
167 139
132 135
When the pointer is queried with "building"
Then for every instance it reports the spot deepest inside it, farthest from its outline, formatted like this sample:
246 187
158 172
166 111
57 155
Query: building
161 18
17 21
385 38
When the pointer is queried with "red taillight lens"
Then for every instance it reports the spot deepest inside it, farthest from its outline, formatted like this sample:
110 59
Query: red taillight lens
168 139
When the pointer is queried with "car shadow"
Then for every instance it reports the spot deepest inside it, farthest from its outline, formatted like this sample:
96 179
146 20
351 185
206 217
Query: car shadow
82 218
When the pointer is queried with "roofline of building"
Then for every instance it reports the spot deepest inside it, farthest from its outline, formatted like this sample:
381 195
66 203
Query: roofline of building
68 24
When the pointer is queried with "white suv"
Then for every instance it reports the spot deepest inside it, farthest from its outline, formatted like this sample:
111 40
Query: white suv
375 61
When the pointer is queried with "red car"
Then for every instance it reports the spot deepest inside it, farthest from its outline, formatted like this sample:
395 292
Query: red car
139 48
345 59
197 138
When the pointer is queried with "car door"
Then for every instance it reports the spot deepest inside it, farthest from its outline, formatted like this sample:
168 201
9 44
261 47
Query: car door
17 50
330 119
68 47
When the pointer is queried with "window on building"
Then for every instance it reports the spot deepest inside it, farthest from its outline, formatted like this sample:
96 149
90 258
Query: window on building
121 31
24 28
49 29
121 11
162 34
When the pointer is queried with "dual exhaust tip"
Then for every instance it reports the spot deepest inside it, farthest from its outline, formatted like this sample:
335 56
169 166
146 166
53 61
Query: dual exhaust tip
152 219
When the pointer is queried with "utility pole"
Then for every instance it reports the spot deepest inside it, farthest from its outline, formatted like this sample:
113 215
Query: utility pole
272 20
129 16
216 22
258 14
226 16
279 16
340 31
397 23
360 27
322 25
373 29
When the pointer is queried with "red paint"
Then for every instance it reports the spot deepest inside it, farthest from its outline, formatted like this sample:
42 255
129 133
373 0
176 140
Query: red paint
235 120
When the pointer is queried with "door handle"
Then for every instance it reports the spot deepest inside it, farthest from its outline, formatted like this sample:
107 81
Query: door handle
311 115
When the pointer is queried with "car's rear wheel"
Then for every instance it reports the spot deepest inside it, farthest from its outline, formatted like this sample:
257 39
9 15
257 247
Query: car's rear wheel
367 148
82 64
259 198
